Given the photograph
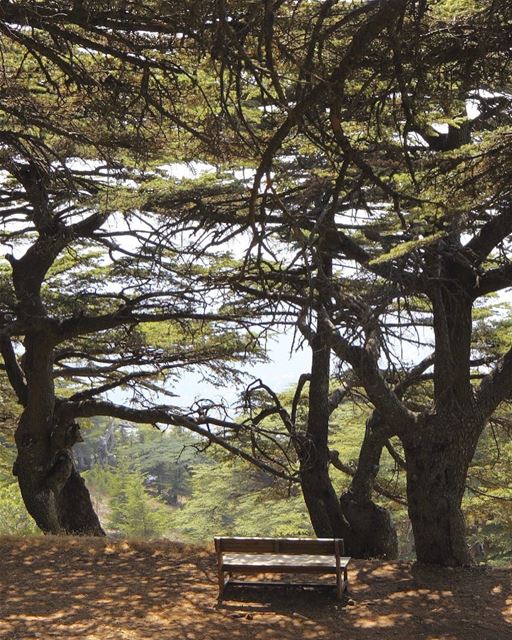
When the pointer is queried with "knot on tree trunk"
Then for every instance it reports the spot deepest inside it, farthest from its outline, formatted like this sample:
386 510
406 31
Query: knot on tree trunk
65 435
373 534
60 471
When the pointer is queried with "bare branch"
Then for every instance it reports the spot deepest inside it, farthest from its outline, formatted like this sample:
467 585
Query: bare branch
334 459
365 365
494 388
199 426
14 372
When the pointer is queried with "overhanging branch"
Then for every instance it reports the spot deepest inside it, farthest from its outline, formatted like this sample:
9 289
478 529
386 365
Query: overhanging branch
200 426
14 372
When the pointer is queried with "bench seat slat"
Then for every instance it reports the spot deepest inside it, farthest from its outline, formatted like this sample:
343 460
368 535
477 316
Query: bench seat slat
275 561
245 569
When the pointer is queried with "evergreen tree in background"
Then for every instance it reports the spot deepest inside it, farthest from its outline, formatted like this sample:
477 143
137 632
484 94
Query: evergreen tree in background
133 512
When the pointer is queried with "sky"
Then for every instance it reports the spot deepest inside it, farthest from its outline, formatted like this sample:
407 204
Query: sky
281 372
286 362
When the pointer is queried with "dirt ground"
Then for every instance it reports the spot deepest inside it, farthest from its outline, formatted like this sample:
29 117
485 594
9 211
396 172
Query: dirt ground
92 589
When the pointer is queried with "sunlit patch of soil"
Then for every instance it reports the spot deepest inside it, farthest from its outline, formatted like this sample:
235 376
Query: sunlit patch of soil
99 589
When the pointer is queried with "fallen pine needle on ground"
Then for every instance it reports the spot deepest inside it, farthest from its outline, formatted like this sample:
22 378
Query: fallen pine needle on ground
101 589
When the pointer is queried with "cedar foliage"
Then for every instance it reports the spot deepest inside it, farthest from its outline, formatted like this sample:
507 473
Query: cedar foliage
368 162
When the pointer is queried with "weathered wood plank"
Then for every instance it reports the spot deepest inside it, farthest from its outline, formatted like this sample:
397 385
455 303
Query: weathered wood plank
261 569
270 584
277 560
310 546
282 564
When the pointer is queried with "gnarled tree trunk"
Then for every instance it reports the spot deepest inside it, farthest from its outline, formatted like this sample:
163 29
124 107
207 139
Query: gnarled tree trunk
319 495
53 492
437 464
52 489
366 528
439 452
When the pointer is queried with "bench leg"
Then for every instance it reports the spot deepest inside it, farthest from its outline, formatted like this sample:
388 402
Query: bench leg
341 583
220 576
339 586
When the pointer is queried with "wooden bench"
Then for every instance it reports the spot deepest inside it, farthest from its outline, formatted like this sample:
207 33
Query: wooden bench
281 555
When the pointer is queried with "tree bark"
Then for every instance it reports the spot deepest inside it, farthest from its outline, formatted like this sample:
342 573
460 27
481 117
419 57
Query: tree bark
438 452
53 492
437 464
52 489
366 528
319 495
372 528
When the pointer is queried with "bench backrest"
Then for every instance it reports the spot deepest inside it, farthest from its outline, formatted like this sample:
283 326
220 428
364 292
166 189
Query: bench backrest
309 546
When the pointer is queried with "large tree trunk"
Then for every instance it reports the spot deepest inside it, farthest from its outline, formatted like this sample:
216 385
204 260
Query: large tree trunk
438 454
367 529
52 489
436 476
319 495
53 492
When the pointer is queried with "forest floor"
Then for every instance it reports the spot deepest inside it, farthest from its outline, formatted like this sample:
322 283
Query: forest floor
93 589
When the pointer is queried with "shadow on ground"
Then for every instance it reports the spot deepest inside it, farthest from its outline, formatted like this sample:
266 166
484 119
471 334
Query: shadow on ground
92 589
